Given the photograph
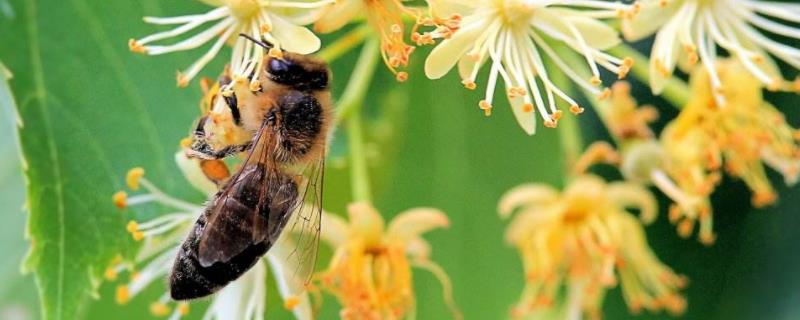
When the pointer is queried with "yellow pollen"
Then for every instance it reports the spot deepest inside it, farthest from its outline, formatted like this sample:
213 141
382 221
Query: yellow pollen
181 80
135 46
132 226
528 107
255 85
186 142
575 109
133 177
486 107
110 274
763 198
275 53
291 302
122 295
550 123
596 81
471 85
138 236
604 94
265 28
402 76
707 238
183 308
685 228
120 199
159 309
557 115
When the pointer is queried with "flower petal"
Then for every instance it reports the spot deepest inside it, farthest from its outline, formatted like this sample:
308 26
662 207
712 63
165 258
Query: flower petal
337 15
334 230
194 174
447 53
290 286
526 118
414 222
633 195
648 20
557 22
294 38
365 222
526 195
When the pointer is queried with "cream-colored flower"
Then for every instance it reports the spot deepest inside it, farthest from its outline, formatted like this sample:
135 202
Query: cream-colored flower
370 272
579 243
386 17
688 31
524 41
276 22
161 238
739 137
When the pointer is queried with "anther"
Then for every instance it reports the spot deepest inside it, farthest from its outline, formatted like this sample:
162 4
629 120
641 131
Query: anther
133 177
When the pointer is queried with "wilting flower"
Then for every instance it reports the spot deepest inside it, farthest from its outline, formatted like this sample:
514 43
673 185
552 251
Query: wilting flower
386 17
688 31
162 236
525 41
370 272
277 22
581 242
740 137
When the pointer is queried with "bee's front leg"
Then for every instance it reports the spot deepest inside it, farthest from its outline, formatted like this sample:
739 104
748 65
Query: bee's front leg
201 149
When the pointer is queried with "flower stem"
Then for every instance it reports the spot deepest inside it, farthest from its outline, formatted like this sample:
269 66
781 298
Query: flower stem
676 91
571 141
344 43
350 112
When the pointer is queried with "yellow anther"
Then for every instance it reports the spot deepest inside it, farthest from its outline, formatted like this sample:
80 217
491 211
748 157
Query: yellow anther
132 226
557 115
133 177
138 236
486 107
575 109
596 81
183 308
122 295
186 142
135 46
291 302
685 228
181 80
120 199
159 309
527 107
402 76
275 53
471 85
265 28
110 274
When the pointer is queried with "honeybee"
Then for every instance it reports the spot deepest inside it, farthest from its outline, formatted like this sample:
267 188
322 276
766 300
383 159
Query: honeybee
283 126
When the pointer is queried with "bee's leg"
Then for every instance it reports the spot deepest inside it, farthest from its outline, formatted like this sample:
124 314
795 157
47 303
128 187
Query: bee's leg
201 149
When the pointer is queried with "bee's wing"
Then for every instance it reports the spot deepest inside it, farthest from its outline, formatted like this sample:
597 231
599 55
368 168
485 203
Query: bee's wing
251 210
305 225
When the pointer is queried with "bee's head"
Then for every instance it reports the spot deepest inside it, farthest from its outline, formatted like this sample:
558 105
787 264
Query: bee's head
298 71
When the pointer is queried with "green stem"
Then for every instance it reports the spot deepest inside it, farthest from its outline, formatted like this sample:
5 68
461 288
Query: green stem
344 43
350 112
571 141
676 91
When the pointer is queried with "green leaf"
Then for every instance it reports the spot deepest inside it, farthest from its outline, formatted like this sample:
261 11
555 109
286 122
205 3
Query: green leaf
89 110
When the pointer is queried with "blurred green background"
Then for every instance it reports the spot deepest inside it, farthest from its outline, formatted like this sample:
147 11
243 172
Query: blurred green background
92 110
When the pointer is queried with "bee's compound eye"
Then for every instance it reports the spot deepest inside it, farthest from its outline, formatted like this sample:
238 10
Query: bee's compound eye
278 66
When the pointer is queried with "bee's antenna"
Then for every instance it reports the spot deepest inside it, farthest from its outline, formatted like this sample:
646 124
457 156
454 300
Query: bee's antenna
260 43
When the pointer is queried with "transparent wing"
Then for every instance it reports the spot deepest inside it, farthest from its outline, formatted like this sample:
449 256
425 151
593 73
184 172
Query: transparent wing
304 227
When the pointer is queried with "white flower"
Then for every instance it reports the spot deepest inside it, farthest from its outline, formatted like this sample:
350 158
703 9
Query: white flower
519 38
688 31
162 236
277 22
